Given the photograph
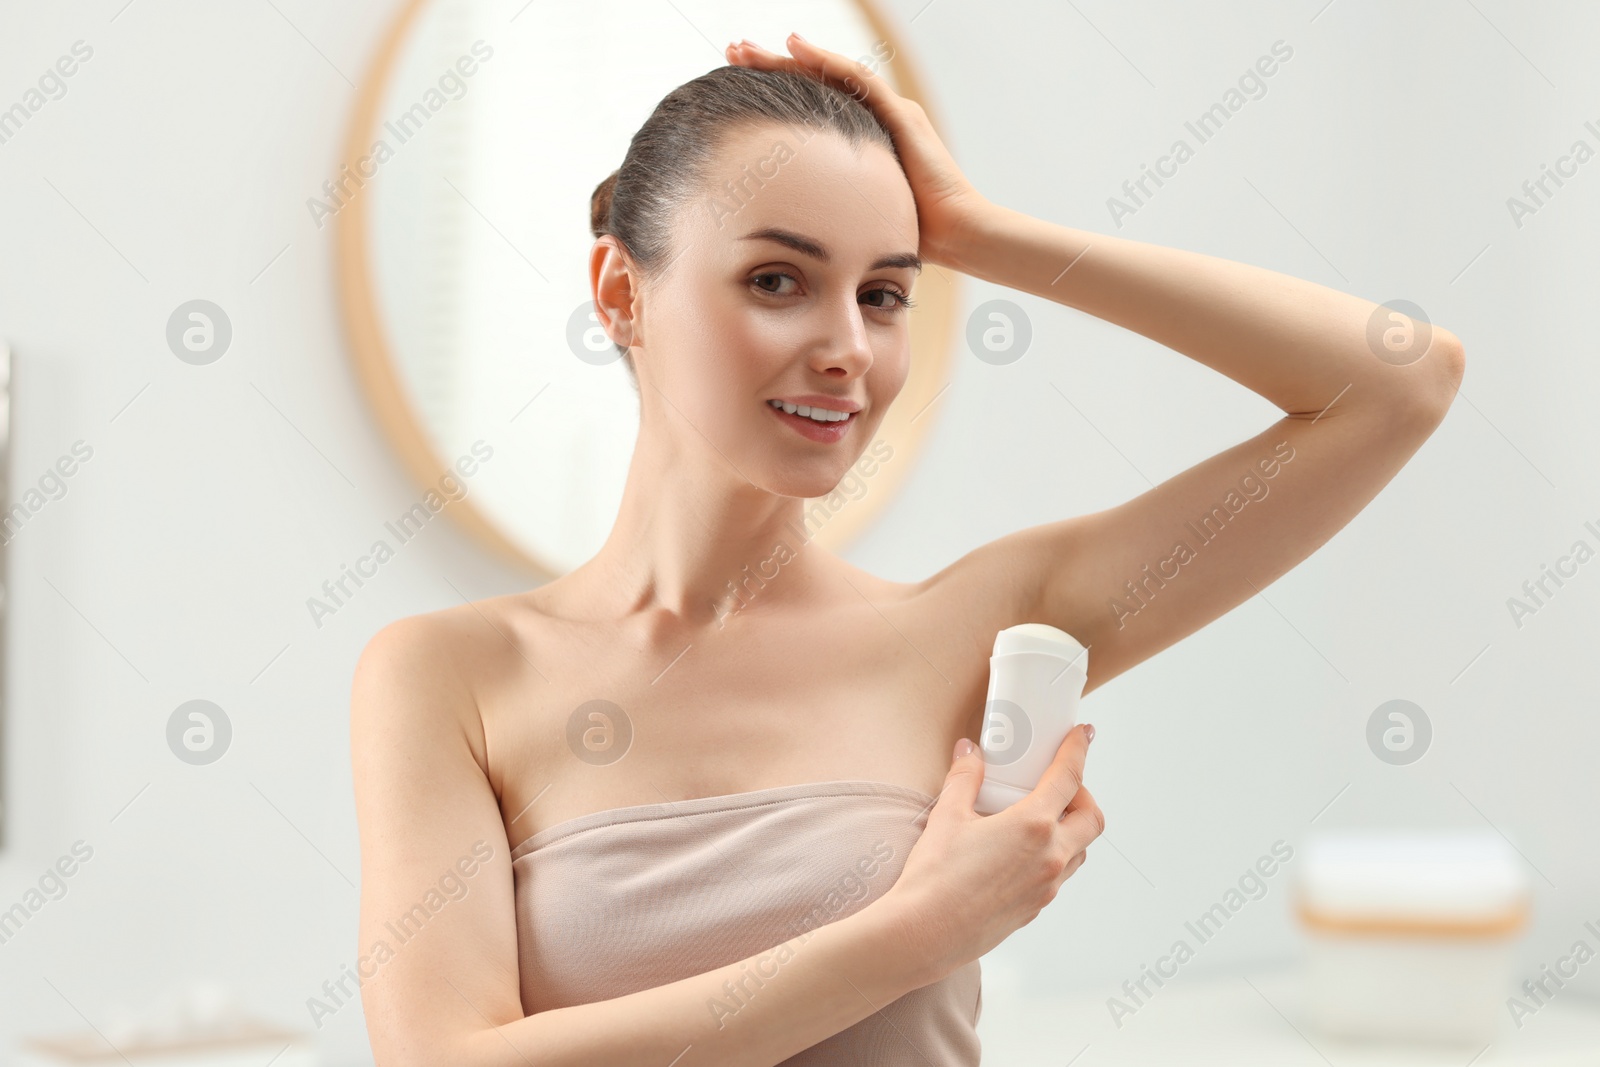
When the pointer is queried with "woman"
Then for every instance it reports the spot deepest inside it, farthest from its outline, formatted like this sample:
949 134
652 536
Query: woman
610 820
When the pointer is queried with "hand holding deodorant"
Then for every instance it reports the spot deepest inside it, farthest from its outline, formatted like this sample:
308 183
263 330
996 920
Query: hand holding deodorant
1036 677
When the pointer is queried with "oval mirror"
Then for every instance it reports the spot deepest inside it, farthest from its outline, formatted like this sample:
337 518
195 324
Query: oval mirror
461 214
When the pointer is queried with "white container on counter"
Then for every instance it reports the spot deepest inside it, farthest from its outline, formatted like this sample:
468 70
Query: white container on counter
1410 933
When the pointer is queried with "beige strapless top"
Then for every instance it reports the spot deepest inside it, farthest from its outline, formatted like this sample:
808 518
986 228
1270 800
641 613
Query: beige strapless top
618 901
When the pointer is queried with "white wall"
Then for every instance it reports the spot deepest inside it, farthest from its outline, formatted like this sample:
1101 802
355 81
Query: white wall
177 564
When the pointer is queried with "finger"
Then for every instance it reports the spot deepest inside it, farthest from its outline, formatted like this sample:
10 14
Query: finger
1063 778
749 54
745 54
1071 868
858 79
1083 821
961 784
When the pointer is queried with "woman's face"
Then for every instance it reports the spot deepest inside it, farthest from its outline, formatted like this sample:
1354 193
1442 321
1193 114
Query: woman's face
788 283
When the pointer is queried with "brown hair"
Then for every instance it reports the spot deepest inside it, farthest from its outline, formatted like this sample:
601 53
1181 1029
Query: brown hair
668 157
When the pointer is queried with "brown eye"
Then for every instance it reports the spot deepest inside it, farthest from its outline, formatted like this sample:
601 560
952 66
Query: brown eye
772 274
903 302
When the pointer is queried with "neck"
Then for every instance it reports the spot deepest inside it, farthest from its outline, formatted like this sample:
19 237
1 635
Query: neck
697 541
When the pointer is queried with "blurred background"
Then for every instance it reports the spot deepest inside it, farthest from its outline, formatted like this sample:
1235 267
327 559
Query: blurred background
234 368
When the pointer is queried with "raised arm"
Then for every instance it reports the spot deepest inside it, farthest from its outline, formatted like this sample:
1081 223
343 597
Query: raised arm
435 869
1131 580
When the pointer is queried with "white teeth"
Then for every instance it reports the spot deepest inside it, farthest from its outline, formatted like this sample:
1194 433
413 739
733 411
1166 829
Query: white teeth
815 414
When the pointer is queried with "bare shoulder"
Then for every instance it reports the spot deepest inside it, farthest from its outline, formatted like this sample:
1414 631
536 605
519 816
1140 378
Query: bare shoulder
423 674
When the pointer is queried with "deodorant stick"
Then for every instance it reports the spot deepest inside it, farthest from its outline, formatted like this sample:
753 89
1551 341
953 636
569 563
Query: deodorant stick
1036 678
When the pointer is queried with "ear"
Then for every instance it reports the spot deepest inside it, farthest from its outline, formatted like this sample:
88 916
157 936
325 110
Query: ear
613 281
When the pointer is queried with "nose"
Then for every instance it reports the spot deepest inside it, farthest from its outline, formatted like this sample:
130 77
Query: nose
847 351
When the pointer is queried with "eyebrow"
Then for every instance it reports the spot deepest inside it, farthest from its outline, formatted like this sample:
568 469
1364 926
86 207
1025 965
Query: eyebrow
813 248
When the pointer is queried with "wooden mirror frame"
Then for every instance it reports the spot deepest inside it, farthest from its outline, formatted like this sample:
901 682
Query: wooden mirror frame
903 428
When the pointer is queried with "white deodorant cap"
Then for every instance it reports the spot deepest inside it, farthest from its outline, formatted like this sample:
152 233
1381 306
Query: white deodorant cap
1037 637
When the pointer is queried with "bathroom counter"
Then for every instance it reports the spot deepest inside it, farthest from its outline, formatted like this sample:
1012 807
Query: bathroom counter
1250 1021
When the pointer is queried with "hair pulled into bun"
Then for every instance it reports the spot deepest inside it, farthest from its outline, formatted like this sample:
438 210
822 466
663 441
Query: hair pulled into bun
600 205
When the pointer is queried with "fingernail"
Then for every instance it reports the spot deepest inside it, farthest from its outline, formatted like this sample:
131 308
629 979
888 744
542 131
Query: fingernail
797 37
963 747
1088 732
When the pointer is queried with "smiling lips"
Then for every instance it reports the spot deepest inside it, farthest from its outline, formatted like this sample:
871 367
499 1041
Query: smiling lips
819 412
817 422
